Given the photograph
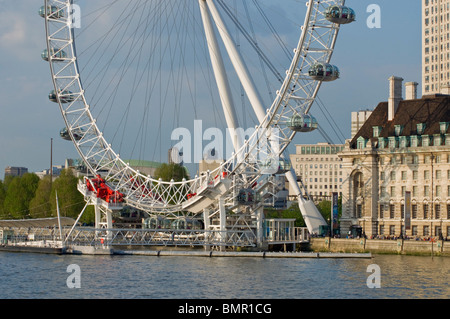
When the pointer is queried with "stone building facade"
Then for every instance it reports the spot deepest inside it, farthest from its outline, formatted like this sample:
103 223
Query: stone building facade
404 146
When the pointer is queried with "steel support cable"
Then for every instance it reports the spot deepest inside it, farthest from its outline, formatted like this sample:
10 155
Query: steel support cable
249 39
263 69
283 45
272 67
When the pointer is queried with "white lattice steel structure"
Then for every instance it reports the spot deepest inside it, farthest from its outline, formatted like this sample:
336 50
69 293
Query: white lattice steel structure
215 192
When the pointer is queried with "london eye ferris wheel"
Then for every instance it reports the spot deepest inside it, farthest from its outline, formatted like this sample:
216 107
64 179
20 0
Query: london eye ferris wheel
135 71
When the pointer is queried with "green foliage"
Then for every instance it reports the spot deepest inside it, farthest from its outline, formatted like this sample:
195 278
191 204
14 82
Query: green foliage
324 208
70 201
171 171
30 197
40 205
19 194
292 212
2 197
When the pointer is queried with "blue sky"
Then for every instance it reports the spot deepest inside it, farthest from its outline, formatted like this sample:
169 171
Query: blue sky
366 58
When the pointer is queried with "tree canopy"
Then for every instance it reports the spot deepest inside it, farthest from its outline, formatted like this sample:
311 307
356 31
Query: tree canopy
171 171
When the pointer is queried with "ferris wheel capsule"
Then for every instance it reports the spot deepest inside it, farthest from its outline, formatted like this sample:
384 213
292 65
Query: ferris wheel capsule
56 55
52 12
77 134
302 123
340 14
324 72
65 97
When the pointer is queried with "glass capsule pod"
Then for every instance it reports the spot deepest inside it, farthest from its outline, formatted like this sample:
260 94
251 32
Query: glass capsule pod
246 197
302 123
276 166
77 134
65 97
324 72
57 55
156 222
186 223
340 14
52 12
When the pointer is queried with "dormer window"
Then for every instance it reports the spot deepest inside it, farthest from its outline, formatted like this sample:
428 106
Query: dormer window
361 143
443 126
426 140
381 142
376 131
393 142
437 140
420 128
414 141
404 141
398 130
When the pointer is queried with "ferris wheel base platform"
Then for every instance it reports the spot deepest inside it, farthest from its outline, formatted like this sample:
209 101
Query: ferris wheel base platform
207 195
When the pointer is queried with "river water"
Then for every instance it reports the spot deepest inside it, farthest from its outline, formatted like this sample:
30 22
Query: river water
40 276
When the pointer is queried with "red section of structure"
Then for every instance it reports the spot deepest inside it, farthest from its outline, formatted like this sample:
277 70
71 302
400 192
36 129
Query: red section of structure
103 191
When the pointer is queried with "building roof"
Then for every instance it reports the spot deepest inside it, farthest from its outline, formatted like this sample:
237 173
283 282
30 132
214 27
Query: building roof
430 110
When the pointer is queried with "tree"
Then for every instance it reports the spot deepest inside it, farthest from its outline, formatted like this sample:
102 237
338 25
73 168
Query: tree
292 212
171 171
324 208
70 201
19 194
2 199
40 206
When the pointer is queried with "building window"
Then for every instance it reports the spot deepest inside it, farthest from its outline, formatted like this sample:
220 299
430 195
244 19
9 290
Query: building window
392 230
415 175
420 128
398 130
426 230
393 176
438 190
414 231
392 191
381 229
381 211
425 211
443 127
438 174
392 211
376 131
437 211
404 175
426 190
414 211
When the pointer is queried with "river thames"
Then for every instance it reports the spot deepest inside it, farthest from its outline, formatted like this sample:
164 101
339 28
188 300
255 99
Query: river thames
40 276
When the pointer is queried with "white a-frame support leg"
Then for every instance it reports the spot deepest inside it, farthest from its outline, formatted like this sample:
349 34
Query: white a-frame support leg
220 75
249 86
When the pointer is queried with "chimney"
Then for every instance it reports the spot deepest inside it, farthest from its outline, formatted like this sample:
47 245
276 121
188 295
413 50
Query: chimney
395 91
411 90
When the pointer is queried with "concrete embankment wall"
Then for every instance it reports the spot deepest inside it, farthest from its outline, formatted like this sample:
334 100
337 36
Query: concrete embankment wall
407 247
